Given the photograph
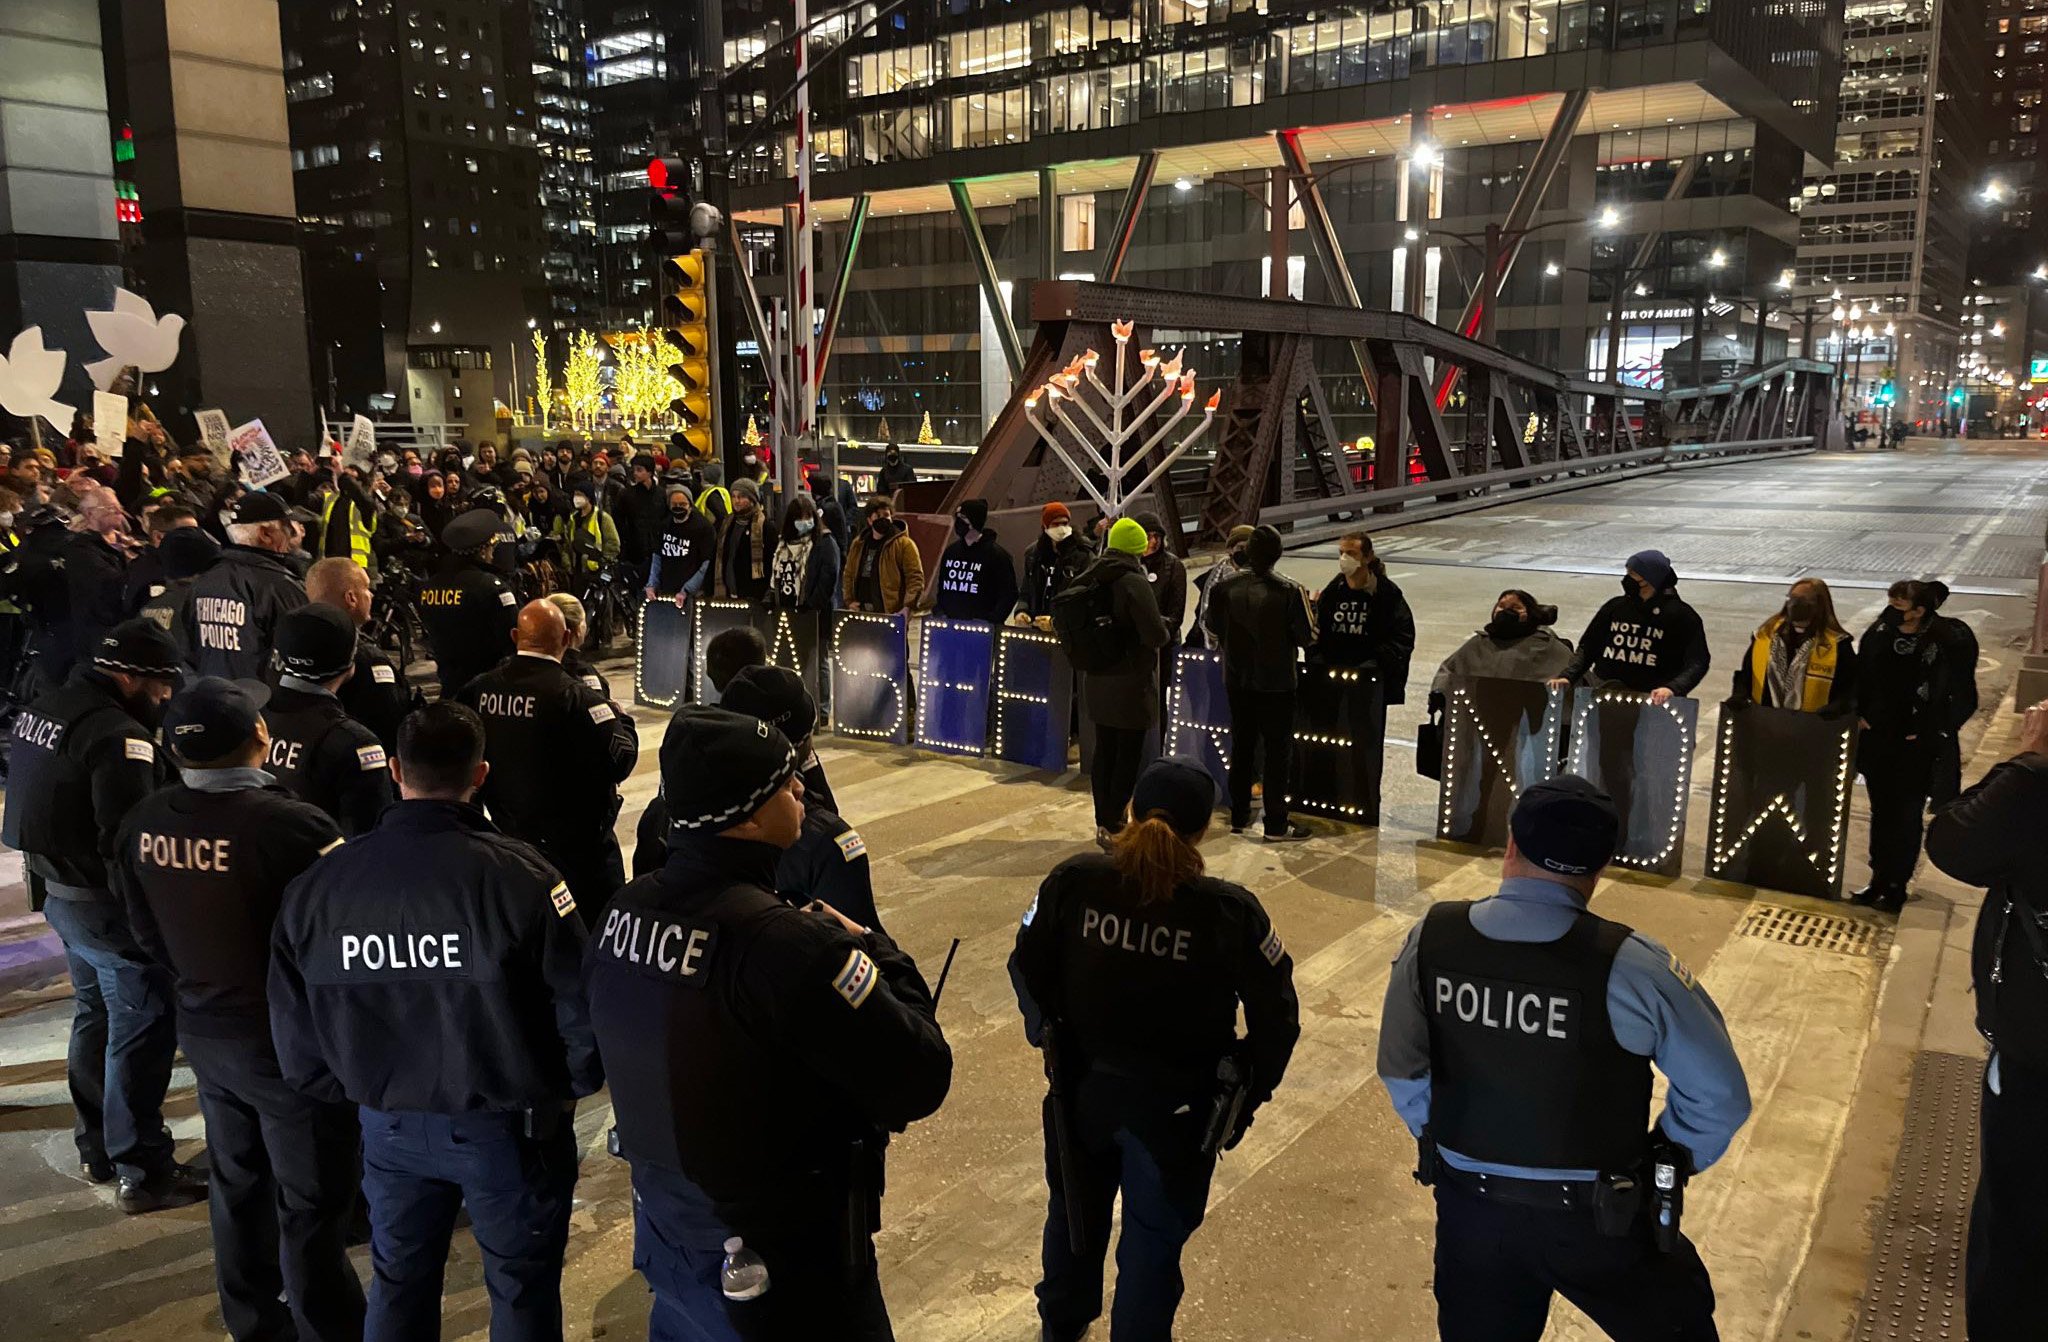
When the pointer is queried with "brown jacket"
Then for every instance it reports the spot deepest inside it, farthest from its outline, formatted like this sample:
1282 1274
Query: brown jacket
899 569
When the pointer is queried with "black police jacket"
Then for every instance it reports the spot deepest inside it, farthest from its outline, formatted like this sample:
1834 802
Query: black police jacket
167 607
143 579
829 861
33 577
578 665
325 758
557 748
378 695
228 626
93 570
748 1043
79 763
433 965
1152 991
469 610
202 874
650 836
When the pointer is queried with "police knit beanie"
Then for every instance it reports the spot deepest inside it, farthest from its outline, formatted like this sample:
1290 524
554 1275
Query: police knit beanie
1052 514
1128 537
139 648
1652 567
1178 789
776 695
315 642
1566 825
187 552
718 767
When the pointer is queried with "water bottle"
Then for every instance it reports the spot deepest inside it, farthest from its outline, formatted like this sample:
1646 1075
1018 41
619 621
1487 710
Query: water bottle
744 1276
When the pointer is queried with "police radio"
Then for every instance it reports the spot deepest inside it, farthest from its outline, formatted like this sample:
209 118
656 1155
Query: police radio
1670 1167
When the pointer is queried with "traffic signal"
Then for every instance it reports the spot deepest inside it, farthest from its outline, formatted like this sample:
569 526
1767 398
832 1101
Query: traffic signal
1956 396
1886 393
668 207
686 313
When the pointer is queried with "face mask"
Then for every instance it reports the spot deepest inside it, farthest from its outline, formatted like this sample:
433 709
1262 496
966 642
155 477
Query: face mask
1506 624
415 470
1059 533
802 526
962 527
1802 609
1630 587
227 517
1349 564
6 520
679 514
1893 618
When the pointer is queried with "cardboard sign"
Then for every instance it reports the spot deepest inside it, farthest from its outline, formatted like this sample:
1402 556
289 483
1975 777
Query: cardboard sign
110 424
661 662
869 666
214 431
1033 700
1780 814
133 337
361 448
1640 754
262 463
1340 729
955 667
1198 713
1500 737
29 378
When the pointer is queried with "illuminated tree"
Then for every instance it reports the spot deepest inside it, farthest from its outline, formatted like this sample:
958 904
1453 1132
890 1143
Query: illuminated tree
582 380
752 436
925 436
543 382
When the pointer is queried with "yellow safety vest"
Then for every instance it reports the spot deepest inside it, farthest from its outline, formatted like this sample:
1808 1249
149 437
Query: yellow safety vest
1820 666
704 501
358 531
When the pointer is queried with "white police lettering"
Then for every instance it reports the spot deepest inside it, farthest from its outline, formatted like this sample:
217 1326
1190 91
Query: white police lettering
499 705
220 622
41 733
1506 1006
1128 934
284 754
385 951
671 948
176 852
1633 642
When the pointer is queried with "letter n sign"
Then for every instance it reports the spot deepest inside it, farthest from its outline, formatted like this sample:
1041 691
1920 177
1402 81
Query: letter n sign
955 665
1198 712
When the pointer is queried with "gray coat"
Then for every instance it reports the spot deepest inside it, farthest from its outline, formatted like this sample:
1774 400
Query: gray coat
1127 696
1538 656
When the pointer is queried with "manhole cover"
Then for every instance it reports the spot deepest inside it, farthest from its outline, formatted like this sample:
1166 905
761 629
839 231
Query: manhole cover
1827 931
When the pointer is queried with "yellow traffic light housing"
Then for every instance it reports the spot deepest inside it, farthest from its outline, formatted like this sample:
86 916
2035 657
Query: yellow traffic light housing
686 313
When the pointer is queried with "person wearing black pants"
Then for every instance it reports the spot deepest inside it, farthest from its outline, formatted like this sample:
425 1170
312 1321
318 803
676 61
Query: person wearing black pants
1917 688
1990 837
1261 621
1121 701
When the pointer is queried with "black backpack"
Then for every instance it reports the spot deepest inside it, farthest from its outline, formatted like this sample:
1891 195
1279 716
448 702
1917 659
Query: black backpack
1085 620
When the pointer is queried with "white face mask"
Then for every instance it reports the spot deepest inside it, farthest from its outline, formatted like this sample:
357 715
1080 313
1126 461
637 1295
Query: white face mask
1349 564
1059 533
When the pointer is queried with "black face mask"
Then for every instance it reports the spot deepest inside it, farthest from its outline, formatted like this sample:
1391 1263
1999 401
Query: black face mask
1802 610
1892 618
1507 624
679 514
961 527
1631 588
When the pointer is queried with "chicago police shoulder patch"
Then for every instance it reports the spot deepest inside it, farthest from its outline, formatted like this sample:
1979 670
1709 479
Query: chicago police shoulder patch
384 675
369 757
1271 947
595 683
564 902
1681 973
855 979
601 713
851 845
507 599
139 750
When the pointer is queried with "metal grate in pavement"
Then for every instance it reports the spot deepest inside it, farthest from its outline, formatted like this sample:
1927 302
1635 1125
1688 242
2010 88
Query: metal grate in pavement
1915 1289
1824 931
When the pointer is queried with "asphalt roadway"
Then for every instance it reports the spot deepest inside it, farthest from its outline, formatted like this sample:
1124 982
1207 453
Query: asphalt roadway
1315 1230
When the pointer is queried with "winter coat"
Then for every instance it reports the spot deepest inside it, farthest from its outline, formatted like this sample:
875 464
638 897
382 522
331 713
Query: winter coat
1643 645
900 569
1048 568
641 514
1990 837
975 582
1260 620
1169 579
1127 695
1538 655
1383 638
818 584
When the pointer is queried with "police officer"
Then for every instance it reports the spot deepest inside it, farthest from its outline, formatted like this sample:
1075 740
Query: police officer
757 1054
558 751
574 660
829 861
468 607
201 867
83 757
318 752
33 577
1130 968
228 626
184 554
378 695
1517 1043
430 973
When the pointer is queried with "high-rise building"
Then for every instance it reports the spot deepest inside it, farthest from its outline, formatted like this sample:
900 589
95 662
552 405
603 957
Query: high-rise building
415 145
641 59
1884 231
2010 260
1678 137
568 172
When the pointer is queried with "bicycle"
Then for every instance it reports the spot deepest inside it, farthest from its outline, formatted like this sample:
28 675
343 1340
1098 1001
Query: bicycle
396 625
609 603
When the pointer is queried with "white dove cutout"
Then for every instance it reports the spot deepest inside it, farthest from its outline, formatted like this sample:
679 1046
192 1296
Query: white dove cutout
133 336
29 377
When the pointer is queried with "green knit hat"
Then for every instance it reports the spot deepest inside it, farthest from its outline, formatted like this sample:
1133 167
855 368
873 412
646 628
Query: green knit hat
1128 537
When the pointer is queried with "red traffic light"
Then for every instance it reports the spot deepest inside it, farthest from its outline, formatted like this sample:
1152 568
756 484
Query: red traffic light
668 174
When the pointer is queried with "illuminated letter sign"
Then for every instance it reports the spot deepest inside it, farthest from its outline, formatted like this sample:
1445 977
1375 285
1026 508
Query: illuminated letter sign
1339 740
1781 799
1640 754
792 639
955 665
1500 736
709 619
870 666
1198 713
661 663
1034 699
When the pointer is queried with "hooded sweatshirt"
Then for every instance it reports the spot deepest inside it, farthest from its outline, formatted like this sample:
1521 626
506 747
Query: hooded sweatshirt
1643 645
976 581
